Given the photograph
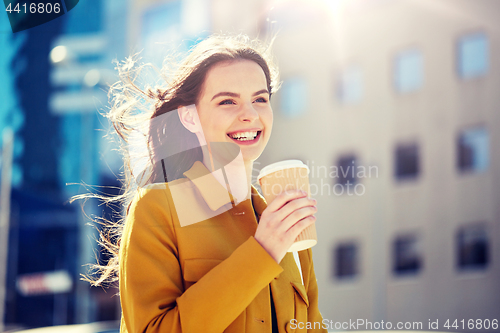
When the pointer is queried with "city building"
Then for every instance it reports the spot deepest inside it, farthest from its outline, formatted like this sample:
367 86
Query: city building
54 78
393 105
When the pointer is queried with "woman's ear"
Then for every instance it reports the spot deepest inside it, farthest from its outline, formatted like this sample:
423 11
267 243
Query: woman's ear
189 118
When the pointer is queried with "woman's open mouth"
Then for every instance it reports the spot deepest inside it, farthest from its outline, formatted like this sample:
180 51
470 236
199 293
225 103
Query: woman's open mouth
245 138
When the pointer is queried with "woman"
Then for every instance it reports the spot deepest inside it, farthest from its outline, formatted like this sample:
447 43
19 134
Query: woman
200 250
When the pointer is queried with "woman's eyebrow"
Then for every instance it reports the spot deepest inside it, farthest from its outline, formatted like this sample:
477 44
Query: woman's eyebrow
263 91
227 93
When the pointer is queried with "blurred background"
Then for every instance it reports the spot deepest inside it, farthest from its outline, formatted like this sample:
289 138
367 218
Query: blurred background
393 104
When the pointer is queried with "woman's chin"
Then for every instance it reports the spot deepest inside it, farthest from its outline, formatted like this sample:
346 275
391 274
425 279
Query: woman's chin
250 155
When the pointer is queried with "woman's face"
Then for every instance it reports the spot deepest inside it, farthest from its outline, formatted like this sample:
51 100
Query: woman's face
234 107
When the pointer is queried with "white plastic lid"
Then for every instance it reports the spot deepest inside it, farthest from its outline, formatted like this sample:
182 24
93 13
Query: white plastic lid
287 164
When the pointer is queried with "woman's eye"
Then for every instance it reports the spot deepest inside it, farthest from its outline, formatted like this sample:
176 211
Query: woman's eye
261 100
226 102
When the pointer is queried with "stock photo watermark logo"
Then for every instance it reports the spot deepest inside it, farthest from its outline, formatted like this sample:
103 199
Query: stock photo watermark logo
28 14
169 152
336 180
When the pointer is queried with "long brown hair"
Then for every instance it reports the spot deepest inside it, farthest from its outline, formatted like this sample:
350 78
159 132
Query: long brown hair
134 107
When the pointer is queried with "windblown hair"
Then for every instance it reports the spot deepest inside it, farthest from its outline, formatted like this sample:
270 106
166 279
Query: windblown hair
134 109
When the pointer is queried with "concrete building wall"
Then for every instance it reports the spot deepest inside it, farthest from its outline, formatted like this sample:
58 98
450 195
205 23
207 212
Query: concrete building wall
441 199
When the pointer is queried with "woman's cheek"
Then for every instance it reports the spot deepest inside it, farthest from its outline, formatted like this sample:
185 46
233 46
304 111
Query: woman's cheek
270 119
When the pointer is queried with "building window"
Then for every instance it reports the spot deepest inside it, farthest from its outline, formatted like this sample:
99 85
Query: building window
407 255
473 150
350 85
407 161
294 97
472 247
473 55
346 170
346 260
409 71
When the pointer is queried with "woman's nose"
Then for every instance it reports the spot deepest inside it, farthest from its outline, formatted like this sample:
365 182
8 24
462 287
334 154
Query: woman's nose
248 113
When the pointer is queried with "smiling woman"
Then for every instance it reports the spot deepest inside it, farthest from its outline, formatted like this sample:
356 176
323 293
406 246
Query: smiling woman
200 250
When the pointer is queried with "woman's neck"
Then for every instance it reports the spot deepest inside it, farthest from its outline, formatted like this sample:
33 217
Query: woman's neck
236 176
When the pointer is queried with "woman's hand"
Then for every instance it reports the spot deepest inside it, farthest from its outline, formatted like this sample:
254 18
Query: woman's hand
283 220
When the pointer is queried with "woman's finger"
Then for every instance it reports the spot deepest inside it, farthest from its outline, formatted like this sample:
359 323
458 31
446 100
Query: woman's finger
292 206
298 227
285 197
296 216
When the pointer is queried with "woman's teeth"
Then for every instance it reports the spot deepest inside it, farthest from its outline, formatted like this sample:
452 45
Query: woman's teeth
244 136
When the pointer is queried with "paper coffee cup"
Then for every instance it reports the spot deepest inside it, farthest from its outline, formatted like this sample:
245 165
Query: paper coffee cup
288 175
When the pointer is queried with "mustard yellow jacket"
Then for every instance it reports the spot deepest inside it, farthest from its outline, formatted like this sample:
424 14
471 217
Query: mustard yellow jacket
210 276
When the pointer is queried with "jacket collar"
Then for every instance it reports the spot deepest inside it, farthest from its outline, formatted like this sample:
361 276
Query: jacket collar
214 193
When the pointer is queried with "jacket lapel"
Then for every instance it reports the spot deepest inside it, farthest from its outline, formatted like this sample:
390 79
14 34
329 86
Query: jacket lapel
283 290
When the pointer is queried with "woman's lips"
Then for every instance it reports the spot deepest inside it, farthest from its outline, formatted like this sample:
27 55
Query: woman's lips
245 141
